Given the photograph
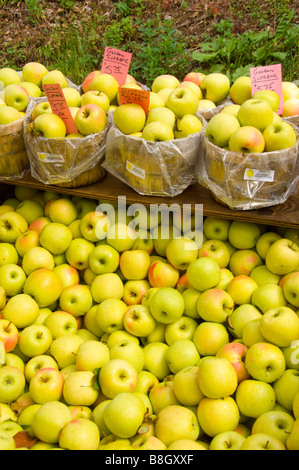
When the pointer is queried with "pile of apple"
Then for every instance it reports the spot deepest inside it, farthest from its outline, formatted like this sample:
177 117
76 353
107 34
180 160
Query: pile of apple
173 106
116 333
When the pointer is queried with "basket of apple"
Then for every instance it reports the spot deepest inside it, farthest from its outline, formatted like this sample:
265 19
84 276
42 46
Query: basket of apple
156 152
250 156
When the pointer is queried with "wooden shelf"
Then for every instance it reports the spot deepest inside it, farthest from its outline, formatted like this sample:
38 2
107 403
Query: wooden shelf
109 188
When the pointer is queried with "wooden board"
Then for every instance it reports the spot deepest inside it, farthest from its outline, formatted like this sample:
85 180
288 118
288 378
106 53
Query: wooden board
109 188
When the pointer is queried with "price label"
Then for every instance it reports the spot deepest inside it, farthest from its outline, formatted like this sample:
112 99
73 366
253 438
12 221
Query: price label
133 95
116 63
59 106
268 78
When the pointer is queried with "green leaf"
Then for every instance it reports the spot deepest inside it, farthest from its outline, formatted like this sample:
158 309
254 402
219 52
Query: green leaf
204 57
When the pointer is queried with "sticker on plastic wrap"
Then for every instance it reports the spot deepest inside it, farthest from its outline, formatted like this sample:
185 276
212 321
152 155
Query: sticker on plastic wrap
135 170
50 158
259 175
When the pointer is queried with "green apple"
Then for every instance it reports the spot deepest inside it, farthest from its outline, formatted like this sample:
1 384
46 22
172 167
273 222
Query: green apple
109 314
103 258
55 237
9 114
262 275
155 101
205 105
161 113
37 257
240 316
288 89
265 241
134 291
129 118
209 337
164 81
291 107
7 441
217 250
215 305
221 127
41 108
262 441
194 87
286 388
49 420
243 235
33 90
203 273
155 359
77 253
290 288
252 332
292 440
215 87
230 440
183 328
138 320
124 414
186 125
232 109
282 257
167 428
94 225
49 125
8 254
163 274
180 354
180 252
217 377
217 415
255 397
235 353
97 97
185 386
37 363
35 340
167 305
21 309
265 362
90 119
182 101
148 443
195 77
267 297
16 96
67 274
243 261
279 136
12 225
121 236
30 210
46 385
275 423
12 279
117 376
240 90
44 286
76 299
134 264
190 296
11 427
9 75
79 434
12 383
65 348
247 139
268 95
101 82
255 112
216 228
61 323
157 131
27 240
72 96
280 326
130 351
54 76
80 388
33 72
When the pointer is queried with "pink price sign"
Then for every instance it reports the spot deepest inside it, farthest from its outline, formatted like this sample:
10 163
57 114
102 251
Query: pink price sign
268 77
117 64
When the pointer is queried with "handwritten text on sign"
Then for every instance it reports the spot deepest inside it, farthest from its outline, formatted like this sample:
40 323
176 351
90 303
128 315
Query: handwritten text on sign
59 106
268 78
117 64
133 95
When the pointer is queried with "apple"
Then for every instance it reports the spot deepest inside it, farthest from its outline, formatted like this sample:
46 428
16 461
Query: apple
134 264
157 131
12 225
94 225
215 87
286 388
37 363
21 309
193 86
275 423
9 334
288 89
61 323
30 210
279 136
129 118
282 257
7 441
241 288
166 429
217 250
130 351
255 397
49 125
134 291
256 112
291 107
162 234
101 82
243 235
27 240
247 139
280 326
55 237
12 383
262 441
46 385
265 241
65 348
49 419
92 354
33 72
12 279
121 236
79 388
54 76
203 273
109 314
216 228
77 253
124 414
148 443
167 305
67 274
41 108
268 95
180 252
180 354
183 328
8 254
44 286
139 321
9 114
292 440
34 340
231 109
221 127
117 376
103 258
182 101
37 257
107 285
9 75
240 90
265 362
185 386
205 105
230 440
240 316
90 119
163 274
161 113
164 81
235 353
155 101
76 299
16 96
243 261
215 305
155 359
79 434
289 284
195 77
209 337
216 415
216 377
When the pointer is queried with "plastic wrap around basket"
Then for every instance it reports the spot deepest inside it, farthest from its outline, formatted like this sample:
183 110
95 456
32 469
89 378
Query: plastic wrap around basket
153 168
249 181
65 162
14 162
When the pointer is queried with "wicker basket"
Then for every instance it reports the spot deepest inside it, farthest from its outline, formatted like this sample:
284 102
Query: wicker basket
65 162
250 181
14 162
153 168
